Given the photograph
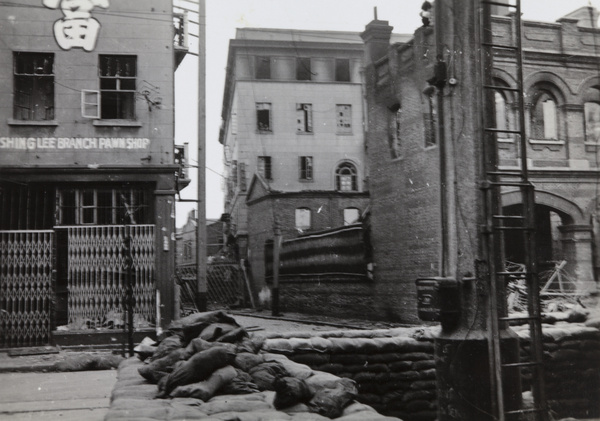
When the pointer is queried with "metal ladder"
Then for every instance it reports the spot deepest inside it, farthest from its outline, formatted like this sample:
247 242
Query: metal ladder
496 224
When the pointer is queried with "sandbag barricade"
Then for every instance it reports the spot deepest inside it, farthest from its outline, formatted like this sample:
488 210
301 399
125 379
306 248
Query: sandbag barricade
209 368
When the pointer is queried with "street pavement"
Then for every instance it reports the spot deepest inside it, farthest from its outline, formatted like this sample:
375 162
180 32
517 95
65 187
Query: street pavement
73 396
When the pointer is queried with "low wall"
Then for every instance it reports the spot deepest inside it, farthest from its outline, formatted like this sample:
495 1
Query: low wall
395 369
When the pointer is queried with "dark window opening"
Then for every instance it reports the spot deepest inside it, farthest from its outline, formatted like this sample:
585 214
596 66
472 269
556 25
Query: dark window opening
306 168
264 167
342 70
263 117
263 68
303 71
33 86
26 206
118 87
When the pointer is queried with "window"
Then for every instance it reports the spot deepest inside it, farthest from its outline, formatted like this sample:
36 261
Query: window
304 118
394 132
430 124
303 69
344 118
117 87
263 67
33 86
242 176
303 217
351 216
345 177
106 206
306 168
342 70
592 121
264 167
591 109
187 250
544 117
501 114
263 116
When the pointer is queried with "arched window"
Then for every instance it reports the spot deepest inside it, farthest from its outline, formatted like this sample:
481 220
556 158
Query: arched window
351 216
501 114
303 219
591 109
544 117
345 177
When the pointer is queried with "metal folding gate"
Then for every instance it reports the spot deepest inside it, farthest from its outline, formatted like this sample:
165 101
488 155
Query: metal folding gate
97 275
26 263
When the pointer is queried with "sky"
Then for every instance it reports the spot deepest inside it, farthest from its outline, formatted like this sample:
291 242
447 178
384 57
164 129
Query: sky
222 19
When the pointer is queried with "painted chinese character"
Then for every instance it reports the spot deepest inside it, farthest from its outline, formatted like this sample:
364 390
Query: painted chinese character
77 29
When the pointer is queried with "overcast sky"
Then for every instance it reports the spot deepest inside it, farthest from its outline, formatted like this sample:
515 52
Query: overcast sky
224 16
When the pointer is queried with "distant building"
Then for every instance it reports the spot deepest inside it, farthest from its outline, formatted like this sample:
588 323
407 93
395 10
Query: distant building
562 87
186 239
293 136
87 161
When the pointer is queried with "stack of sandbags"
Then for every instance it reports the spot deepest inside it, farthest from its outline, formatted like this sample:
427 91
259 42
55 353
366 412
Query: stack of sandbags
394 369
572 367
208 354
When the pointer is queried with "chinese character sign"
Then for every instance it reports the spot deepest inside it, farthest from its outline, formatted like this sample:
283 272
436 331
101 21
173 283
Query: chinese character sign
77 29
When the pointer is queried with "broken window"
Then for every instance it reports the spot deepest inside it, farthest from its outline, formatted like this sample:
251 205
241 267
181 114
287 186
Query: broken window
342 70
303 219
263 67
345 177
591 110
501 114
394 133
306 168
430 124
117 86
344 118
33 86
263 116
303 71
304 118
242 176
264 167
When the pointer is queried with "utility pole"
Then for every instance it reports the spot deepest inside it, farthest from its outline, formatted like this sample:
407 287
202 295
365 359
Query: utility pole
202 287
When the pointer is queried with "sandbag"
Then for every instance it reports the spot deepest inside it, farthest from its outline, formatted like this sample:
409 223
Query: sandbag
198 344
191 326
246 361
264 374
290 391
157 369
233 336
241 384
206 389
166 346
199 367
330 402
214 331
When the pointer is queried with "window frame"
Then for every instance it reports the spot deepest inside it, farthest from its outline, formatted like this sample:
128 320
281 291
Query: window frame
298 218
264 167
305 168
343 121
123 96
264 111
304 118
593 135
28 87
538 129
394 135
353 208
340 176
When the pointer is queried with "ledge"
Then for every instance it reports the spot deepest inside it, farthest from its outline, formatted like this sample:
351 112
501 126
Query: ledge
15 122
117 123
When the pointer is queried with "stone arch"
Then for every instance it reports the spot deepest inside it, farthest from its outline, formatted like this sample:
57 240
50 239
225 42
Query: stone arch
572 214
505 76
590 82
564 93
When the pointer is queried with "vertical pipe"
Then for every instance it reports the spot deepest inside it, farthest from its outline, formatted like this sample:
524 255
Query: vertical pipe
202 285
275 288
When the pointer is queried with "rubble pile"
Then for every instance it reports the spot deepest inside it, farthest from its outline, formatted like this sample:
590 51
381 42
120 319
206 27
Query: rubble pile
210 368
572 366
394 369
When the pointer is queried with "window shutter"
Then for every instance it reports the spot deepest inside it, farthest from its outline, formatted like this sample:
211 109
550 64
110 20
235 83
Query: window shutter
90 103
